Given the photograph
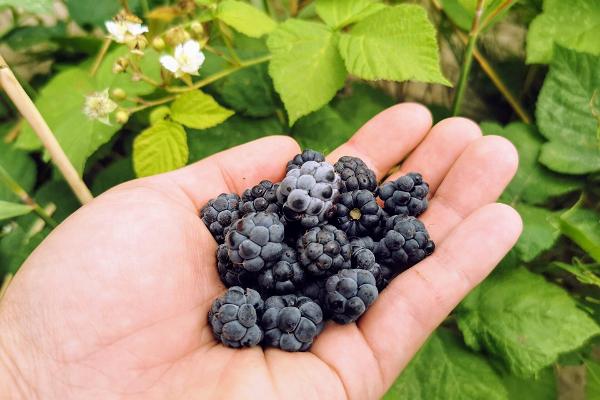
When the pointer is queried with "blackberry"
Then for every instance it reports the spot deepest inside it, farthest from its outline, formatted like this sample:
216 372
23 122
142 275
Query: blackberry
291 322
234 317
363 258
219 213
406 195
364 241
308 193
349 293
405 243
355 174
230 274
262 197
285 276
324 250
255 241
357 213
315 290
306 155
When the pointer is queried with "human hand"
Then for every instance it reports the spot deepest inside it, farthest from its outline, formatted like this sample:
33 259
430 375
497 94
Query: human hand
114 303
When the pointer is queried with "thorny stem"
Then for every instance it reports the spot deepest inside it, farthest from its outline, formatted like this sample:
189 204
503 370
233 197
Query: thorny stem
219 75
100 56
18 190
467 60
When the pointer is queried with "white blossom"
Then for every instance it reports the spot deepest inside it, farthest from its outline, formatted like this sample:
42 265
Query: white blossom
98 106
187 59
122 31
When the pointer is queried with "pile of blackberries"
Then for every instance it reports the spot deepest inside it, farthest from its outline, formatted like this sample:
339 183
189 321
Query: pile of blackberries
319 245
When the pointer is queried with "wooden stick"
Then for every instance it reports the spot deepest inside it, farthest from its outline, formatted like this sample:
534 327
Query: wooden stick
15 92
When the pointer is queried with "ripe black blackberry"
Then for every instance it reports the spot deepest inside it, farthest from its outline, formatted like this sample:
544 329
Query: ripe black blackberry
349 293
406 195
291 322
234 317
306 155
355 174
230 274
219 213
324 250
315 289
255 241
357 213
308 193
262 197
363 258
405 243
285 276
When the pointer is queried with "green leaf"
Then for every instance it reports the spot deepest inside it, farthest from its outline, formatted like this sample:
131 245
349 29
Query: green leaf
583 227
306 68
523 320
309 130
118 172
461 12
572 24
33 6
245 18
444 369
11 210
236 130
19 166
533 183
397 43
361 104
340 13
23 37
160 148
564 114
538 233
198 110
584 273
93 12
592 385
540 387
248 91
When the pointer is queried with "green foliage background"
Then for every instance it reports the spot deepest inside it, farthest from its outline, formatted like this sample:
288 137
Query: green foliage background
317 71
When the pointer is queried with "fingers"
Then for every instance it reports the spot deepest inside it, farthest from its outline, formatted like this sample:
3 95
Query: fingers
419 299
236 169
477 177
439 150
388 137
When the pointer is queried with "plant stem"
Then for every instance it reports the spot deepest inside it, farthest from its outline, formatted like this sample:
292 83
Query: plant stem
147 104
494 13
18 190
467 60
26 107
228 43
219 75
145 7
100 56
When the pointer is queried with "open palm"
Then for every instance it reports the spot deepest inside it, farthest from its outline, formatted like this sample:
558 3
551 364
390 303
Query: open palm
113 304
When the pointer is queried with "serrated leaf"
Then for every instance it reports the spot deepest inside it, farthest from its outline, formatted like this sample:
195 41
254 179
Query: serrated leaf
533 183
361 104
10 210
585 273
539 234
198 110
572 24
564 114
160 148
582 226
20 167
236 130
33 6
306 68
540 387
397 43
245 18
445 370
340 13
511 314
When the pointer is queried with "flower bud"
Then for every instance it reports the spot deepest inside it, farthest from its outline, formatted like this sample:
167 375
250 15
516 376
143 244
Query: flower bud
158 43
121 117
177 35
118 94
120 65
138 43
197 28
